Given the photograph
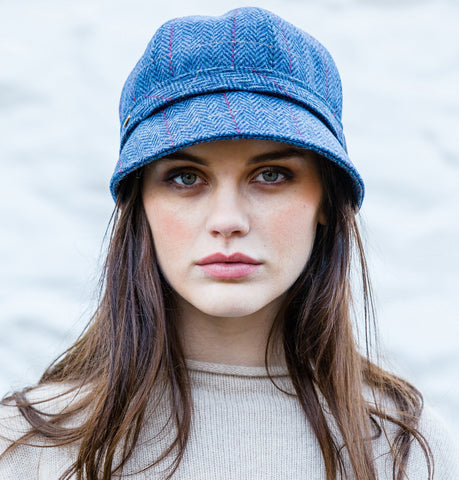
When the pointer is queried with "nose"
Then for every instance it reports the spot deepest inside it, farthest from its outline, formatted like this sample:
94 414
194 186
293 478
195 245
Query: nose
228 213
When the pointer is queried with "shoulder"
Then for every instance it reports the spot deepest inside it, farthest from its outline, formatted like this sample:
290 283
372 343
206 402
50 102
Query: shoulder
445 449
48 399
443 446
30 460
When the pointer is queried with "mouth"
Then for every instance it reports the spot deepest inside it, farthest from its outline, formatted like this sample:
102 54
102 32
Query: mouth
236 265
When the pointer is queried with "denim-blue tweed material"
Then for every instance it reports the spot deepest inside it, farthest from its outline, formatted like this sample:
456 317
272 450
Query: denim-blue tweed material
245 74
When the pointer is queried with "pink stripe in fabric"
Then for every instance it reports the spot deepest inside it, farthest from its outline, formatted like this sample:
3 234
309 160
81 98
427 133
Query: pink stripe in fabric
272 81
156 96
295 121
234 35
327 93
288 48
167 128
231 113
170 47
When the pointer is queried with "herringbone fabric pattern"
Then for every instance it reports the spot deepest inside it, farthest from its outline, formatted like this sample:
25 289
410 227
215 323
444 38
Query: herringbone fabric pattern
246 74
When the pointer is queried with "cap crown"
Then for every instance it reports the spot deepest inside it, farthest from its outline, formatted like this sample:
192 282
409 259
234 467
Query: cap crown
247 49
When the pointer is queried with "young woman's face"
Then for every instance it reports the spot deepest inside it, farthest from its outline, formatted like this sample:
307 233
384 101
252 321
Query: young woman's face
233 222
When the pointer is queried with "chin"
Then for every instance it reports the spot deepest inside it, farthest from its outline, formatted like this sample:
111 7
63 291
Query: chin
232 309
235 304
231 300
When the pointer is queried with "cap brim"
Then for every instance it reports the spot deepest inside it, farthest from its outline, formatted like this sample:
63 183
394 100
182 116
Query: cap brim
234 114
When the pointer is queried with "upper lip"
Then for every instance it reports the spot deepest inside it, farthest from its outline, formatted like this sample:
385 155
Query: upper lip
222 258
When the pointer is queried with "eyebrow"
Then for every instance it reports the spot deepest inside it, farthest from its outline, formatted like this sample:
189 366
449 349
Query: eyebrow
263 157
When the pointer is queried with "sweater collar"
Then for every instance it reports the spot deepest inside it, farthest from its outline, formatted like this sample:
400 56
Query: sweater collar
237 370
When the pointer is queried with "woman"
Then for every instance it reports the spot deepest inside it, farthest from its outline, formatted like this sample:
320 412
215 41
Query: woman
223 345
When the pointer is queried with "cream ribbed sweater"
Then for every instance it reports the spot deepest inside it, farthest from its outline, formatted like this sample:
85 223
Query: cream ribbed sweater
243 428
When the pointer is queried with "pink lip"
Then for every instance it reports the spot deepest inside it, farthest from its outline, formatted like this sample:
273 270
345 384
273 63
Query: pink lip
236 265
222 258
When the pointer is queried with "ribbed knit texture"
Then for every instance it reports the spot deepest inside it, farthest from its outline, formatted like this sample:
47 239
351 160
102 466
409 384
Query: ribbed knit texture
244 428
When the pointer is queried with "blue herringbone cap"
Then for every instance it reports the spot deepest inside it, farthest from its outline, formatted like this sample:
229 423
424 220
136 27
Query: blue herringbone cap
245 74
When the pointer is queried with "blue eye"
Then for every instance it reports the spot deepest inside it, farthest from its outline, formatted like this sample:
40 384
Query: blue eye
271 175
188 178
184 178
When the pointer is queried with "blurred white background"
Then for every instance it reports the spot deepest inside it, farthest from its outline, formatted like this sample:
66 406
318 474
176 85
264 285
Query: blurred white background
63 64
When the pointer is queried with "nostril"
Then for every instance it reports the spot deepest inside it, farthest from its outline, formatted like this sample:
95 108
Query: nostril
228 230
228 224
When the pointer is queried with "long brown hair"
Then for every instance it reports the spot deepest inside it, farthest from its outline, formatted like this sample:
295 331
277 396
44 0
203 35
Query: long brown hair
131 348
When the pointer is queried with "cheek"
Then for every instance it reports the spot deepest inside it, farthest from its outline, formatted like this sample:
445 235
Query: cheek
171 229
291 227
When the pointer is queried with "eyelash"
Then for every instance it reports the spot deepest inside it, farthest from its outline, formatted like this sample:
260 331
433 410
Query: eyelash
178 172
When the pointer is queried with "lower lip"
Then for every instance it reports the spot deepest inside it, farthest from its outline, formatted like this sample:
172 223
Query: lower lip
229 270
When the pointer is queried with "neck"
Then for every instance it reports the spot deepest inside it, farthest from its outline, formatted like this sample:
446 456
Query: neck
229 340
